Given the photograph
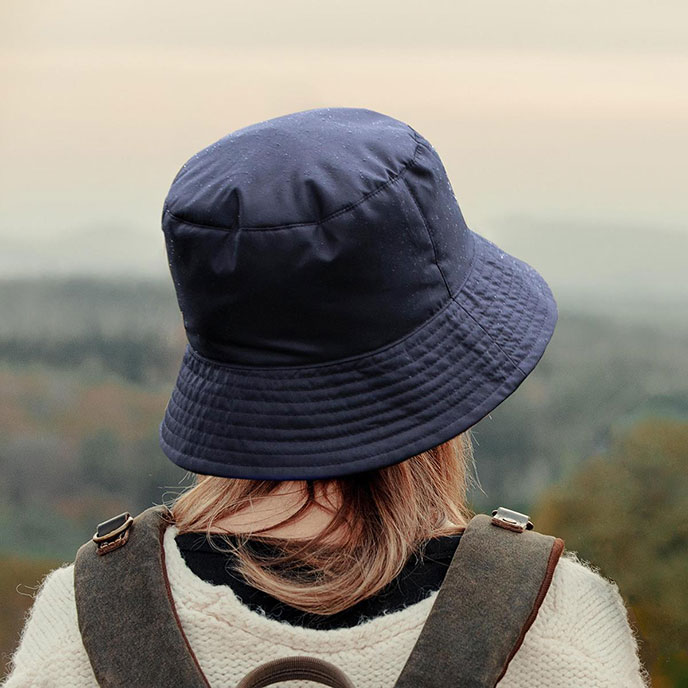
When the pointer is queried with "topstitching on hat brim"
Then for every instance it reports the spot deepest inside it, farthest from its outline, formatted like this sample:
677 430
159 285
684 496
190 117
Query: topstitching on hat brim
373 410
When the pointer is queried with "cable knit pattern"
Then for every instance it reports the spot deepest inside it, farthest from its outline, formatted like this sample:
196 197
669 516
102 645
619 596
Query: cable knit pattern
580 637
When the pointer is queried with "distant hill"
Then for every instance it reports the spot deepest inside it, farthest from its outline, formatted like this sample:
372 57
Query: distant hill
86 361
630 273
131 327
99 251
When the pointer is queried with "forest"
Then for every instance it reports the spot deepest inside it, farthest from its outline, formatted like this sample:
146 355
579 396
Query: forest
593 444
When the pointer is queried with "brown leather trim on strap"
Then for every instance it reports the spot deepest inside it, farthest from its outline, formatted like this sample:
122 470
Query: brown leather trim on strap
554 555
489 598
127 618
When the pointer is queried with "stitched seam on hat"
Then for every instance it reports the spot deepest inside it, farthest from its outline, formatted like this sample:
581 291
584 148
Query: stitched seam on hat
347 208
354 394
536 336
213 439
269 371
427 229
422 141
165 426
416 390
364 356
496 343
472 261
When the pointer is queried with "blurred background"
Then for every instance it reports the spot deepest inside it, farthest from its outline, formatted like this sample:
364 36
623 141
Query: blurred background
564 129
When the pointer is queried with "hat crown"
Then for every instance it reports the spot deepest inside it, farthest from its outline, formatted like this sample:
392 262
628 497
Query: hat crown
290 170
312 237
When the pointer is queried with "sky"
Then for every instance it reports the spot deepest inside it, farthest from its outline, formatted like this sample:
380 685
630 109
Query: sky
560 123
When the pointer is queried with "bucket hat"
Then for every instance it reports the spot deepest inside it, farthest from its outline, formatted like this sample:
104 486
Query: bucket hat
340 314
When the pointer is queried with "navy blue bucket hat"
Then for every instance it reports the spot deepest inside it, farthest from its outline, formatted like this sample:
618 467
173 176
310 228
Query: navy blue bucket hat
340 314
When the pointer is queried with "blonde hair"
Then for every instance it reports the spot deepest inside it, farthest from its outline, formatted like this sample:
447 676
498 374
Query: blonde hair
387 515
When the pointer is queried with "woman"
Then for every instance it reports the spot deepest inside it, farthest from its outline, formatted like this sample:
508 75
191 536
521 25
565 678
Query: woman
346 329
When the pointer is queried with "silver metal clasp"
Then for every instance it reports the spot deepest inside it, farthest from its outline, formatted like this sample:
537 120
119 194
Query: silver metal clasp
112 534
511 520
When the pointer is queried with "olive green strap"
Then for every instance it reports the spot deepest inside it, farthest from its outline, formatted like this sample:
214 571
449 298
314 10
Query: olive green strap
489 598
128 622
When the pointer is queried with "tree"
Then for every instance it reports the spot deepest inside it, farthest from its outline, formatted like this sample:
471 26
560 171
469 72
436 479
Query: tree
625 511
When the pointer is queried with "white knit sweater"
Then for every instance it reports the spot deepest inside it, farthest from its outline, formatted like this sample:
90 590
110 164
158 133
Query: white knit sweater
580 638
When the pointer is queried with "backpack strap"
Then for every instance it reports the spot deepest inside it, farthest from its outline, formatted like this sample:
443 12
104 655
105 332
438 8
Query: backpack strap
491 594
128 622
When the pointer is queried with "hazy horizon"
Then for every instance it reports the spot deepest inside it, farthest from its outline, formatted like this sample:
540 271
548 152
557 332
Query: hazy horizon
559 125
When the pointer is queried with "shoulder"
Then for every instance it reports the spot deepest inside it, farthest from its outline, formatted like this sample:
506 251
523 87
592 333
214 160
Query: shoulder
50 651
582 630
582 599
53 607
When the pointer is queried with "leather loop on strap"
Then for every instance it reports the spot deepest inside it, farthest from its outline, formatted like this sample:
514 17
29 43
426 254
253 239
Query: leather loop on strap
488 600
293 669
128 622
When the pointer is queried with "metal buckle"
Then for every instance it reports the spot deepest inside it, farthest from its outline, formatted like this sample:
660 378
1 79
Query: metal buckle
511 520
113 533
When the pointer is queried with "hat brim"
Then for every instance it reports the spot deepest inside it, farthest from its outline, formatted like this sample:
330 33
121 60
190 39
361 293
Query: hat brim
371 410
